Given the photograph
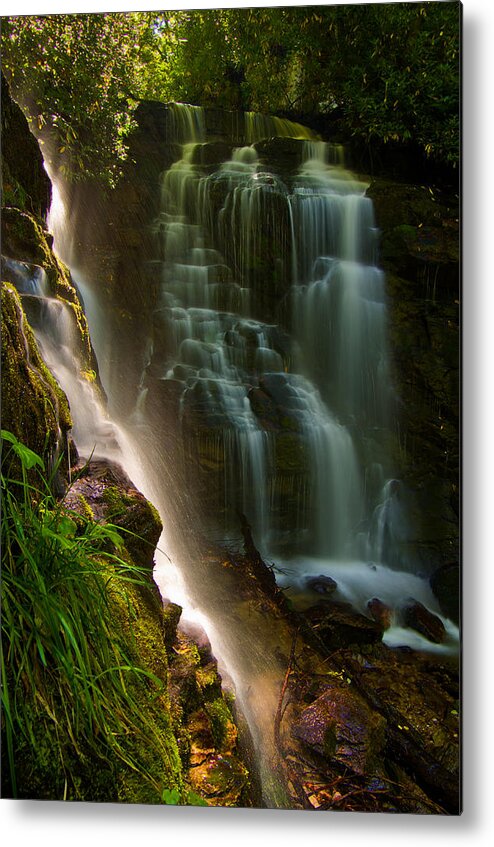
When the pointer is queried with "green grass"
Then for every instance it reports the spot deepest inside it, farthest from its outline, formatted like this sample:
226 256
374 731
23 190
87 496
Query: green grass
82 718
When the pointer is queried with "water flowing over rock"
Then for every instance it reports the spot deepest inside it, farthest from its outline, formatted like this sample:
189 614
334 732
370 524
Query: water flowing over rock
418 617
267 411
242 326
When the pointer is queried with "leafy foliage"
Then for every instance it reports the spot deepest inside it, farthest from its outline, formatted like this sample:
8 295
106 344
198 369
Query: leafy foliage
78 75
381 72
385 72
73 721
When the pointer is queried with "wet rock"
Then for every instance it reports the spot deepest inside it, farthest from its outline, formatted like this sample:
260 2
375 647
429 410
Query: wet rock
445 583
163 397
264 408
272 413
285 155
419 224
418 696
278 388
290 454
418 617
380 612
208 736
322 584
104 492
282 343
219 778
211 153
338 625
184 372
341 727
171 617
419 248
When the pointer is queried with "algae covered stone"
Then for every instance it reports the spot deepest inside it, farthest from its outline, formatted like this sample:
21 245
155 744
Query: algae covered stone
34 407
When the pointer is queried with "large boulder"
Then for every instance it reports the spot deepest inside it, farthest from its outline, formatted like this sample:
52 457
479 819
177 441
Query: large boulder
380 612
338 625
103 491
418 617
342 728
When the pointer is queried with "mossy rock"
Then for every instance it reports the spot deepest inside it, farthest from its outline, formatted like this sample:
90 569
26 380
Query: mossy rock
284 155
24 239
105 489
34 407
171 617
211 153
223 729
220 779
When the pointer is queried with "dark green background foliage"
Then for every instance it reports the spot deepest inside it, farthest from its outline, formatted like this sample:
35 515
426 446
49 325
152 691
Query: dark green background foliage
380 73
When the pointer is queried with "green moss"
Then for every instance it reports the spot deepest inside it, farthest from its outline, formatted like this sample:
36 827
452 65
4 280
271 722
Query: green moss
24 239
140 520
208 681
220 720
136 613
34 407
85 508
117 502
171 617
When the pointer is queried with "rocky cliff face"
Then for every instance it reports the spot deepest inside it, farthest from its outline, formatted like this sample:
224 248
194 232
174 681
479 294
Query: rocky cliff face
25 183
420 254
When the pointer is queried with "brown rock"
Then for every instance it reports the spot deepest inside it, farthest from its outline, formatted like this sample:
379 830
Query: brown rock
340 726
338 625
322 584
419 618
380 612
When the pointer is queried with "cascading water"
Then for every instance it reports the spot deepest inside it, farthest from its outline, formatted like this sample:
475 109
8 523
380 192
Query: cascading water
331 389
268 363
205 339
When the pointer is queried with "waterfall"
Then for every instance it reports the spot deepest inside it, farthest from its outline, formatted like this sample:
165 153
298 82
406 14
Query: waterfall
219 232
266 393
339 298
286 403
